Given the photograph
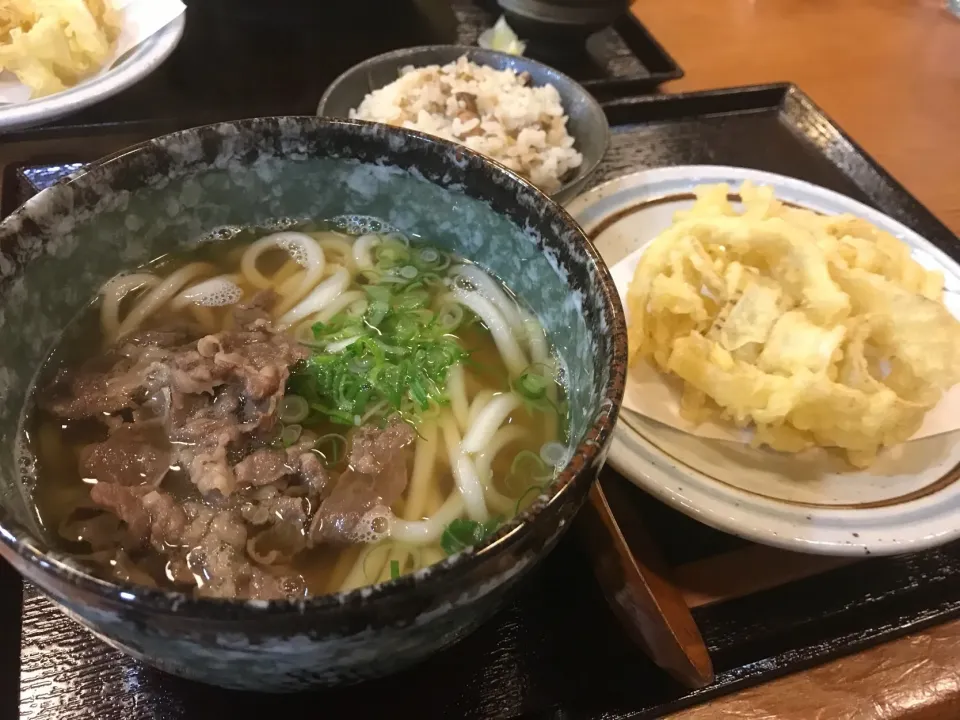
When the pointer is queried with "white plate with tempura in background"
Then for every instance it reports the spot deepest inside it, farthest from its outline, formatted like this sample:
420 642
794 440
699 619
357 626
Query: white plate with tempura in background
59 58
817 500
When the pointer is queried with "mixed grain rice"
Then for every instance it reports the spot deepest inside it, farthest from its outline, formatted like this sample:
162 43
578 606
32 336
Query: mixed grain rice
495 112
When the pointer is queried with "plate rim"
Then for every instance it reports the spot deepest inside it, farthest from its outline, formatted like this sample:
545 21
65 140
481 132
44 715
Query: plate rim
847 532
144 59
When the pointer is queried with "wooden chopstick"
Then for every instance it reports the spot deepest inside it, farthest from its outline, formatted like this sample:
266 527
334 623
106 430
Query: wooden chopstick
634 581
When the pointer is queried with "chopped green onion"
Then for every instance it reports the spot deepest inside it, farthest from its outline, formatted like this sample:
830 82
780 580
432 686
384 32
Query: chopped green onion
378 292
527 463
461 534
449 317
526 467
319 329
424 317
394 569
432 259
411 300
332 448
293 409
408 272
376 312
356 309
393 280
391 349
391 252
406 327
530 494
531 385
290 435
394 359
396 238
360 365
340 327
390 255
341 345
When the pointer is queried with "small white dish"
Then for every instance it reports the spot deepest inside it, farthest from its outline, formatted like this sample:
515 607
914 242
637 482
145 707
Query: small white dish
131 69
811 502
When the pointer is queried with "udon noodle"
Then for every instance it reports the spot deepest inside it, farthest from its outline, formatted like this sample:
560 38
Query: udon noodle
294 413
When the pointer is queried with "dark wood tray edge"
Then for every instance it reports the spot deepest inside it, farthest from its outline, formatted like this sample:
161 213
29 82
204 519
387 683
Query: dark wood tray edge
649 52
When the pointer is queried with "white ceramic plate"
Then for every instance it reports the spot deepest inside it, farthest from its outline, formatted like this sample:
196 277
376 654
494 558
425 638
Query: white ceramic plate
133 67
812 502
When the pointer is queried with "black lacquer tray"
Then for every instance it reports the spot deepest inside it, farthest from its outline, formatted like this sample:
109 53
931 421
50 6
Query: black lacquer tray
249 58
555 651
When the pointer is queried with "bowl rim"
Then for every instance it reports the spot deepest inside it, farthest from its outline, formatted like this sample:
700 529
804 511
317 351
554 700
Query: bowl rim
585 169
590 452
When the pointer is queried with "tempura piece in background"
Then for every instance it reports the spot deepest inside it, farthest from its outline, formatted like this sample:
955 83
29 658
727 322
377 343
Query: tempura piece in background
51 45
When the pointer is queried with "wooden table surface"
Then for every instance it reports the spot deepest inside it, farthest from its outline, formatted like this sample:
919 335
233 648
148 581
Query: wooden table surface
888 72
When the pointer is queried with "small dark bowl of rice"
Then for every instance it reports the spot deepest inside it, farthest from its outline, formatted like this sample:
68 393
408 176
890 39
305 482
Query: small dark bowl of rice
529 116
180 195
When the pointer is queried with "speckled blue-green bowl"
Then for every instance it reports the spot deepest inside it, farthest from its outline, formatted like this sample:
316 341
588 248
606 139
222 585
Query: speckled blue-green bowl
165 194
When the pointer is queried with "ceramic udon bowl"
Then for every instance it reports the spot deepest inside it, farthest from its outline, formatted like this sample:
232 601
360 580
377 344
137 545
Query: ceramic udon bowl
165 194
